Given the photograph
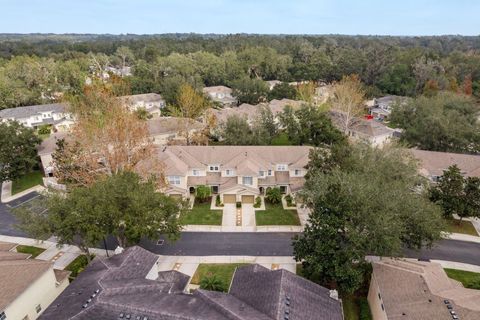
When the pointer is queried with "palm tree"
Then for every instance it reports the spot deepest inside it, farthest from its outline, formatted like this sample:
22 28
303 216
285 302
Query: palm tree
212 283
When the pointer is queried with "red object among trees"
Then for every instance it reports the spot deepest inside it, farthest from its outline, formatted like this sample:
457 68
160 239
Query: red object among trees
368 117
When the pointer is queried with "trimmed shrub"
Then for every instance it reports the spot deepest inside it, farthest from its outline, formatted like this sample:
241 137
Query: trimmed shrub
218 201
289 200
45 129
203 193
273 196
258 202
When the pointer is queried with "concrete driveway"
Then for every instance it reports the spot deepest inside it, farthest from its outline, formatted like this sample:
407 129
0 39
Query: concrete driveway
229 215
248 215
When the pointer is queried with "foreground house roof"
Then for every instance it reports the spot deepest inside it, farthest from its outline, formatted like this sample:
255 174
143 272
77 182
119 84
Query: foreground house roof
414 290
433 163
118 288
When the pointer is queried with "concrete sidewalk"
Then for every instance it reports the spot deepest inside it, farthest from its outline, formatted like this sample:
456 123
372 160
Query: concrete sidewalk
462 237
60 256
6 195
209 228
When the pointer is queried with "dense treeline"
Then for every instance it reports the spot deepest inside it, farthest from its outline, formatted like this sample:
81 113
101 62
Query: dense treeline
34 67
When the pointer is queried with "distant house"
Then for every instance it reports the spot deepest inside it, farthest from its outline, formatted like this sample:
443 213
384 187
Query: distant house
414 290
236 173
382 107
221 95
166 130
130 286
153 103
376 134
250 112
433 163
45 150
55 114
28 286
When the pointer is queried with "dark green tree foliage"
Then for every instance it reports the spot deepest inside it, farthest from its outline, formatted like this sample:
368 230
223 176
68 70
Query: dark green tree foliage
237 131
203 193
252 91
456 194
273 195
121 205
18 150
281 91
444 122
364 204
309 125
213 283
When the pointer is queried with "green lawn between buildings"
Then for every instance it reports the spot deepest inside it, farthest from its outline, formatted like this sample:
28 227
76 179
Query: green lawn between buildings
468 279
355 306
77 265
275 215
33 251
223 271
29 180
201 214
465 227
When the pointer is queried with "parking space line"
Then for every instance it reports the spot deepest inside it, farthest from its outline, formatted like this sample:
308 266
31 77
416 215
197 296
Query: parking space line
22 203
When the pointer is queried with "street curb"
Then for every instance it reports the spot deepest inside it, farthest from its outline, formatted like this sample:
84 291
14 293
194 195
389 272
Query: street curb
461 237
210 228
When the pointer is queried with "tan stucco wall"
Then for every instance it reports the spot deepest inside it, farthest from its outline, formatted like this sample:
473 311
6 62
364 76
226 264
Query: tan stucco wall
46 160
375 302
43 292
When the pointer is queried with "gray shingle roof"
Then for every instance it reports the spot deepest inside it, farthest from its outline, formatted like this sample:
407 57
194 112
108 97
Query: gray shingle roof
25 112
123 288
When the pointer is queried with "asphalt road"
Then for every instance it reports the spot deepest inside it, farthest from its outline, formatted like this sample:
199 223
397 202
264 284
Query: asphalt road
279 244
250 244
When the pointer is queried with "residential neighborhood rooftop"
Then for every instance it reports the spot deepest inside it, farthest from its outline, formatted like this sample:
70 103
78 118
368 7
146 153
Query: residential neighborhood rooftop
433 163
128 286
165 125
25 112
414 290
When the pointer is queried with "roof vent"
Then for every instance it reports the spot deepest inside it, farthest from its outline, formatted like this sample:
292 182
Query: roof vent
334 294
97 291
121 315
84 306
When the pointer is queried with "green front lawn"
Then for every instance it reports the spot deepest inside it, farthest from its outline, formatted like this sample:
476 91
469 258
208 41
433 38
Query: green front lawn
468 279
33 251
201 214
275 215
223 271
27 181
77 265
466 227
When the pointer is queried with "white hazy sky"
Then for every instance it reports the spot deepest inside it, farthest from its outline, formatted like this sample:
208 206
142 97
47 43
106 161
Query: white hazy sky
386 17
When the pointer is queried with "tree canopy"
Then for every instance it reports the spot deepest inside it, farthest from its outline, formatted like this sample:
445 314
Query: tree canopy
18 150
363 203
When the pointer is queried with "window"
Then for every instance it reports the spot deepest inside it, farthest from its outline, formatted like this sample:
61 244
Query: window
213 167
3 316
38 308
297 172
261 173
229 172
248 181
383 308
270 172
379 296
196 172
174 180
281 167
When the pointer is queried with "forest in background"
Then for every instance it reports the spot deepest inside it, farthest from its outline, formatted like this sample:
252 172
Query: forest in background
35 67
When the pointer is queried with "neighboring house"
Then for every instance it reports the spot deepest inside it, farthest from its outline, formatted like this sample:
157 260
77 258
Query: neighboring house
55 114
414 290
130 286
272 83
45 150
168 130
371 131
237 173
28 286
433 163
153 103
382 107
221 95
250 112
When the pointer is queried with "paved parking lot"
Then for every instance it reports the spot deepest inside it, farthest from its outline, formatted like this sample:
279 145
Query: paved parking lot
7 220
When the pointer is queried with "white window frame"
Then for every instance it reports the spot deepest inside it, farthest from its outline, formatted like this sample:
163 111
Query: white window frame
297 172
214 167
261 173
229 172
174 180
244 182
195 172
270 172
282 167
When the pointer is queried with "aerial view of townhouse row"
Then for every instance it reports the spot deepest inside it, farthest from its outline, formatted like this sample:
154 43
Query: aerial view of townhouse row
284 173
